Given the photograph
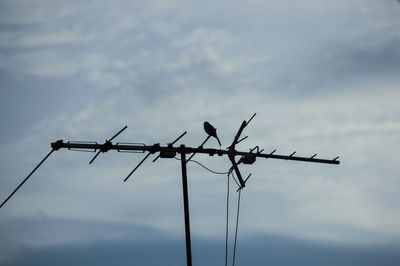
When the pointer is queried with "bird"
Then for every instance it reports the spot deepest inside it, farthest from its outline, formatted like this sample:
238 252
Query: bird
211 131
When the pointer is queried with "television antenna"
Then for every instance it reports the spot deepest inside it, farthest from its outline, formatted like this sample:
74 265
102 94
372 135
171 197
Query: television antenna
171 151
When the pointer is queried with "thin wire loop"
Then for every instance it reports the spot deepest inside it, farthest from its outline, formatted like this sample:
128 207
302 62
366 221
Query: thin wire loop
205 167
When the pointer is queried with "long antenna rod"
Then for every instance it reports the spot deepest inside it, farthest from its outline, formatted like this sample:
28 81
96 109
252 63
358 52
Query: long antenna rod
26 178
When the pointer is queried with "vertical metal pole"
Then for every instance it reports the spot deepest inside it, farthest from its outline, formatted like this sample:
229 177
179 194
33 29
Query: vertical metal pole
186 207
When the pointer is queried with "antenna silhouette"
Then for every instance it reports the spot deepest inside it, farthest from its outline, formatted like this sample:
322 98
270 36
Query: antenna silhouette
171 151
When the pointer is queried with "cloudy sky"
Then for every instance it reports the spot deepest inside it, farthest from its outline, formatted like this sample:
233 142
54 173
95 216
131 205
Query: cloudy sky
323 77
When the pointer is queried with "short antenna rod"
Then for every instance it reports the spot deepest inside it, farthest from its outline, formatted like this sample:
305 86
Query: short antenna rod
170 144
107 143
201 146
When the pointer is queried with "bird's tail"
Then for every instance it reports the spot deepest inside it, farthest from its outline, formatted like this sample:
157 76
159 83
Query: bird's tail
219 142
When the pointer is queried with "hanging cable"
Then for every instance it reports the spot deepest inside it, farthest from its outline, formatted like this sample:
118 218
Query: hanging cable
227 223
205 167
236 230
229 173
233 176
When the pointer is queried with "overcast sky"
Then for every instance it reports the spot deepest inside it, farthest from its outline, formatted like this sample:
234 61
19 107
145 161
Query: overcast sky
322 76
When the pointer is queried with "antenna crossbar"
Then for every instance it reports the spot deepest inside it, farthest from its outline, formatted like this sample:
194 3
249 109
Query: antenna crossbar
187 150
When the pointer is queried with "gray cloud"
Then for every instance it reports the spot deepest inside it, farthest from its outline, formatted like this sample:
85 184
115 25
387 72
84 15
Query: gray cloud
323 79
378 61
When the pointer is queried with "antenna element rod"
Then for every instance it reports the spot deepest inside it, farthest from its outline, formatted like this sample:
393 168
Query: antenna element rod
26 178
119 132
137 166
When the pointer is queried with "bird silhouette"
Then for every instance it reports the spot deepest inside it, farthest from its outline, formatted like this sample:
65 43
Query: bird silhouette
210 130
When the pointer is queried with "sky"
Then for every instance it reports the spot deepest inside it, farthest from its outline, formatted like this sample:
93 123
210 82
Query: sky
322 76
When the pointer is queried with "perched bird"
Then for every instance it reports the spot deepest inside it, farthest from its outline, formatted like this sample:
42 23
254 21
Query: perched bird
210 130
